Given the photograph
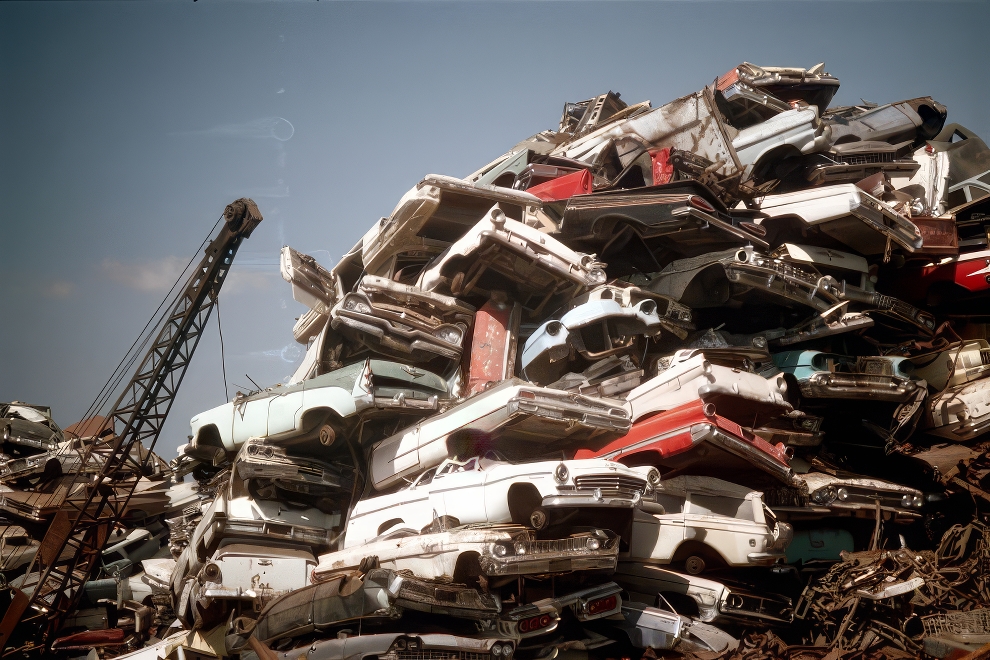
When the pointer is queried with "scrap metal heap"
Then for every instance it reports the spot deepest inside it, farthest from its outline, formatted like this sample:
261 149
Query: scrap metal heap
710 379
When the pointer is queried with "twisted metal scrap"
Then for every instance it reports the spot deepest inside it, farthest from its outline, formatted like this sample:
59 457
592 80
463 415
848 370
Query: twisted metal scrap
767 646
847 608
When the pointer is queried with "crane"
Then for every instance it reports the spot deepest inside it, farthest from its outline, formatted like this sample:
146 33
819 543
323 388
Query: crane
77 534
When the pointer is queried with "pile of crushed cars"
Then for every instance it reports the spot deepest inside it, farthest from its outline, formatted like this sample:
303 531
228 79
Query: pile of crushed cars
709 379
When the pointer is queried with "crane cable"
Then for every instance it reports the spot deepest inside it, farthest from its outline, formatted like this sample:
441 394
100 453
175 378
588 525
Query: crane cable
136 351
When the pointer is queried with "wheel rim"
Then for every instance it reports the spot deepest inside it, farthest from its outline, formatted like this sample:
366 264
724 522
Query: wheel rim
694 565
538 519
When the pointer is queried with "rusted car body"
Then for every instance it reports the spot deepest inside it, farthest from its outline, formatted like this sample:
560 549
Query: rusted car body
713 601
438 211
501 254
404 322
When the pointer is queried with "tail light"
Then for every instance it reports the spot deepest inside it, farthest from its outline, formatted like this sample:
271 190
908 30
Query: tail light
535 623
700 203
600 605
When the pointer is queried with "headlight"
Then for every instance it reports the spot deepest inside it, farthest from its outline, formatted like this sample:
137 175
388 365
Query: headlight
520 548
594 544
500 550
560 473
918 501
648 307
597 276
497 650
553 328
907 501
842 494
448 334
653 479
211 573
355 305
824 495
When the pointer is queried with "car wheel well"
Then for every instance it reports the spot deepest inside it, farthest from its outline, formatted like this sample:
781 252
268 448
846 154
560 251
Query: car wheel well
682 603
697 548
793 395
209 436
388 524
467 569
765 165
522 499
312 419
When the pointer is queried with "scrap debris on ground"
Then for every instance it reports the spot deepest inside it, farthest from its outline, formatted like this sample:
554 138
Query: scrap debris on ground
703 380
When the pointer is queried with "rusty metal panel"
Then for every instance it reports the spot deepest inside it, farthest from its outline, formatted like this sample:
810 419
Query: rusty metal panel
493 345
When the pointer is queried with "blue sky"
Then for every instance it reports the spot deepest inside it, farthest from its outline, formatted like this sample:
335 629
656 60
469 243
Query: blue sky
125 128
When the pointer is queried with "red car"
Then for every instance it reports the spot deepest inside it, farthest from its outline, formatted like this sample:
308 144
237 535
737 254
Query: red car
708 444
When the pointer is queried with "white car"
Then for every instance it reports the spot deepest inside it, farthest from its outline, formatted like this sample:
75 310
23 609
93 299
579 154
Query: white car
315 407
702 598
961 412
435 213
691 376
313 286
847 214
605 321
703 521
954 366
831 496
694 123
459 553
488 489
248 574
503 254
525 419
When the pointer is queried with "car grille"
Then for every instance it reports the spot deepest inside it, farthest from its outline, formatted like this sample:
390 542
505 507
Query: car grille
435 654
876 367
866 159
609 483
558 546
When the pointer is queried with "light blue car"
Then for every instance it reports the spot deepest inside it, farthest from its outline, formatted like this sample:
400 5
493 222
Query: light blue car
833 376
606 321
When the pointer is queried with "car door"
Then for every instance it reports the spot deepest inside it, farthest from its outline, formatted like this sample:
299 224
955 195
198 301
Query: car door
723 523
251 417
283 408
462 489
656 536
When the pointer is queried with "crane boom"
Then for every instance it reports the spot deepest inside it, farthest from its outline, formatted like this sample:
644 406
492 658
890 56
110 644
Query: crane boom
80 529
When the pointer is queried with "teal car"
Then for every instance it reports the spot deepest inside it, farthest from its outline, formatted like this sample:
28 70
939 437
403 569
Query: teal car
834 376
